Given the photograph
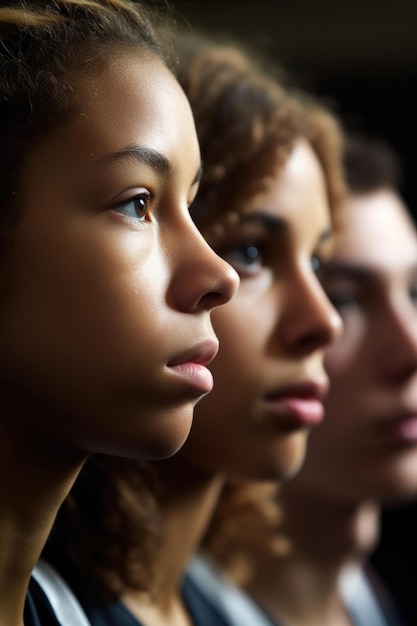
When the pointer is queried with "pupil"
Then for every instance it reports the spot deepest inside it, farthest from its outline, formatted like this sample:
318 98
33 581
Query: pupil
252 252
141 206
315 264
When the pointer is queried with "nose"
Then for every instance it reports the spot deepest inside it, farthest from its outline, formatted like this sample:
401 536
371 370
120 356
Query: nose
309 322
398 339
203 280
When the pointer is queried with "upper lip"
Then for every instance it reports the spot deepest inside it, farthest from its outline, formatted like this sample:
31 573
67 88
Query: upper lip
202 353
315 389
401 416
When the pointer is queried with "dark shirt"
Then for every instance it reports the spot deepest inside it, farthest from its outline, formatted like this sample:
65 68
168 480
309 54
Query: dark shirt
202 612
38 611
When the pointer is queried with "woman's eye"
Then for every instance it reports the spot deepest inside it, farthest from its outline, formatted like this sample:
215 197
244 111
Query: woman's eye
413 294
136 207
342 301
315 264
245 258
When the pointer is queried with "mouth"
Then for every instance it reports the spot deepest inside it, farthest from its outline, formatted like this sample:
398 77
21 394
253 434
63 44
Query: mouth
301 404
191 366
402 427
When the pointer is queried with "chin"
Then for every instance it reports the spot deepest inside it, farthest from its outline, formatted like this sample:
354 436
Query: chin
292 458
166 434
280 473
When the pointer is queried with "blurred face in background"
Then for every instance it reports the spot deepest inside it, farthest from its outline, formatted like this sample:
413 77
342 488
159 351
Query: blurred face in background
367 444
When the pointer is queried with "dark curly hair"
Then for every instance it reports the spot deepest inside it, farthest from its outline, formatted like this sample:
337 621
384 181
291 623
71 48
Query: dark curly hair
370 164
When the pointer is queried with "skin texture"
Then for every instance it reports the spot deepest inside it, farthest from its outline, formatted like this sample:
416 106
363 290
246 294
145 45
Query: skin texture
367 445
100 295
268 340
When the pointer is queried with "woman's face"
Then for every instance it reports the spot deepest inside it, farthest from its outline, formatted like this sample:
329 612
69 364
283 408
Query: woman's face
367 445
269 377
108 285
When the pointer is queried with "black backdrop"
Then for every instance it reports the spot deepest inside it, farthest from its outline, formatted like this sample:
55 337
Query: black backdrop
362 54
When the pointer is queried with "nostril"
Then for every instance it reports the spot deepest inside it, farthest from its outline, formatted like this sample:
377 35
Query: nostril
222 290
213 299
313 341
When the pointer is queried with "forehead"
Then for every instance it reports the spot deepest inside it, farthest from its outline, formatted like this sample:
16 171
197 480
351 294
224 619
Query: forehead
132 99
297 193
376 231
295 189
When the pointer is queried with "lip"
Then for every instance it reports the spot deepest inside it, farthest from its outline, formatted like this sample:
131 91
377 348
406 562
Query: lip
402 428
301 404
191 365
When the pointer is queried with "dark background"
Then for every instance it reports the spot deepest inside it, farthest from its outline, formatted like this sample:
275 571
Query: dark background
359 56
362 58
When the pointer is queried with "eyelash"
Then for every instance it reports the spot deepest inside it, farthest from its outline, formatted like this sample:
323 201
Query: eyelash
343 301
254 256
316 263
255 261
143 195
413 293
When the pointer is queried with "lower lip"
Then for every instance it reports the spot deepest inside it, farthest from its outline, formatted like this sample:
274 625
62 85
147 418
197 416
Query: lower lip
299 411
195 375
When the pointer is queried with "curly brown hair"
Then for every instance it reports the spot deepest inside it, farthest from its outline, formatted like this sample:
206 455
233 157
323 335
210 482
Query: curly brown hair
245 114
370 164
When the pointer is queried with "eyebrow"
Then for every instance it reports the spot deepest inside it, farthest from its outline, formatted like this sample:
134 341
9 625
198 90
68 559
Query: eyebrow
357 272
347 270
264 219
139 154
276 223
151 158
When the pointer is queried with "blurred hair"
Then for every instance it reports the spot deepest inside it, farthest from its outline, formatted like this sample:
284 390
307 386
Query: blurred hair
46 49
246 524
370 164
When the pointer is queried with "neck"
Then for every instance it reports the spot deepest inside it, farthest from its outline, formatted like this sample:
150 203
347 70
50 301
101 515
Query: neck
336 536
188 500
34 480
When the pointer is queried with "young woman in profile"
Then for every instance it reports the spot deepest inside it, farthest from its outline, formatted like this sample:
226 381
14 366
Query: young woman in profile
268 200
364 455
105 329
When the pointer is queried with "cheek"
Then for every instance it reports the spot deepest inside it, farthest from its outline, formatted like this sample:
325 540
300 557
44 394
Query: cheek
346 353
87 299
245 325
